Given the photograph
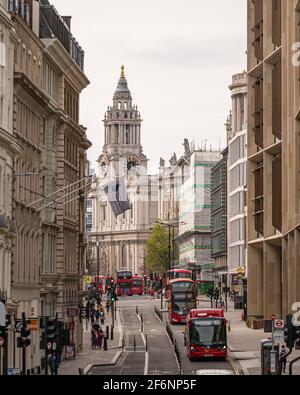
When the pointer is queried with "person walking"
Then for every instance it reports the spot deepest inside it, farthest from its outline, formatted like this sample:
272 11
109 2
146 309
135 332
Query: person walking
97 316
92 315
53 364
93 339
283 353
102 314
100 335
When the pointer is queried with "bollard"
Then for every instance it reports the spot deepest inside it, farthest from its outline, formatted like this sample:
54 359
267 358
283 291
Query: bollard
142 319
134 343
142 326
107 332
112 333
146 342
105 344
137 310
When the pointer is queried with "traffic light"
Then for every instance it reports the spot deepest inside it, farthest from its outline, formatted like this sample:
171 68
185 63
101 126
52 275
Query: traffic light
114 296
210 293
51 331
2 331
23 341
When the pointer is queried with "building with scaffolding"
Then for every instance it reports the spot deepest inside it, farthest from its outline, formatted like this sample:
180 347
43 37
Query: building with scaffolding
195 215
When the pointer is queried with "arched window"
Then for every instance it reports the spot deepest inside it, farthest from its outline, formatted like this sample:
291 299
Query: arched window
125 115
125 106
119 105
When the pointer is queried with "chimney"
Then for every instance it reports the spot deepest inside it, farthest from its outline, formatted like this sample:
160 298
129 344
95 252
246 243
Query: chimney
67 20
36 17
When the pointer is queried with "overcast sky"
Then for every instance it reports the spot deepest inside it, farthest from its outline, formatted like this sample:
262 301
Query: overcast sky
179 57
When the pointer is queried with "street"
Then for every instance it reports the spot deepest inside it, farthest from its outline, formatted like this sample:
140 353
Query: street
160 358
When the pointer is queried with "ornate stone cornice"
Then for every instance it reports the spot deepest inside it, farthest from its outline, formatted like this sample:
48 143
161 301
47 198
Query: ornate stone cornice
60 57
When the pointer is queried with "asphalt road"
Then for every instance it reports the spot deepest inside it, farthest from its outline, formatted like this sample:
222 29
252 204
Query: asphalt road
160 359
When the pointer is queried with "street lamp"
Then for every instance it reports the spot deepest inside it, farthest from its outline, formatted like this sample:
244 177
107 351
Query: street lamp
98 260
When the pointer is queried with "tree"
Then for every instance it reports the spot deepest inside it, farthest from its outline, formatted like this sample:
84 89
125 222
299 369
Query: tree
157 249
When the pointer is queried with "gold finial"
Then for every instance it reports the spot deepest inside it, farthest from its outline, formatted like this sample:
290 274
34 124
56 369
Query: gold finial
123 71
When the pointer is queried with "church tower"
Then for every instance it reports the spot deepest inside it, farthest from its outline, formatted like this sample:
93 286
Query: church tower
122 132
122 238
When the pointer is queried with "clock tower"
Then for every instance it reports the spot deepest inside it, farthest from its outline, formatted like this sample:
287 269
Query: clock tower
122 238
122 133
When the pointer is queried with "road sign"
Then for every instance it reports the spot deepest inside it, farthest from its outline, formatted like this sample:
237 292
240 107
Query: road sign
54 346
2 341
33 325
279 324
278 337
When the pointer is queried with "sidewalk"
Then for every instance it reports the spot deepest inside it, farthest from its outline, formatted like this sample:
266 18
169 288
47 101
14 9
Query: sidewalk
95 357
244 345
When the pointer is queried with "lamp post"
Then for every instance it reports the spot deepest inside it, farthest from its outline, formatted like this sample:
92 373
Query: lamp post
98 260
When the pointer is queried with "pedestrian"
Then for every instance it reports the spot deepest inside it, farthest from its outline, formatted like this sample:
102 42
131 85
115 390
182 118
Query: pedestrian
283 358
93 339
100 335
97 316
102 314
92 315
53 364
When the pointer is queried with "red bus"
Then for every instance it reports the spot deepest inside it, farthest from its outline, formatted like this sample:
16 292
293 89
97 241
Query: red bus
124 282
99 283
137 286
183 298
206 334
174 275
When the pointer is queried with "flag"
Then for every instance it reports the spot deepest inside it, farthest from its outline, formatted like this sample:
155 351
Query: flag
117 196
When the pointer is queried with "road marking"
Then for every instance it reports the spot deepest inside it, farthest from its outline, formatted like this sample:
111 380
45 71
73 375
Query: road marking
146 370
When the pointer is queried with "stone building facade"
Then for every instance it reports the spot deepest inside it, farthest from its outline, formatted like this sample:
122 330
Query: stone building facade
273 159
8 150
122 239
219 219
50 182
237 181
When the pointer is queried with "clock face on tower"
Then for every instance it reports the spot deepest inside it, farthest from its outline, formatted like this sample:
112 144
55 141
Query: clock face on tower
132 165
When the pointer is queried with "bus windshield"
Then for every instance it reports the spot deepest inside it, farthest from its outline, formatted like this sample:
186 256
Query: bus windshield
210 332
183 286
175 275
124 275
183 308
136 282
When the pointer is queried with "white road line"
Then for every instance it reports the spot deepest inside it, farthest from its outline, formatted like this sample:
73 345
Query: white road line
146 370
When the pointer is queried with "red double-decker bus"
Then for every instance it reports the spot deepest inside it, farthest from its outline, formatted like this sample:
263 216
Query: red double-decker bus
124 282
183 298
174 275
206 334
137 286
